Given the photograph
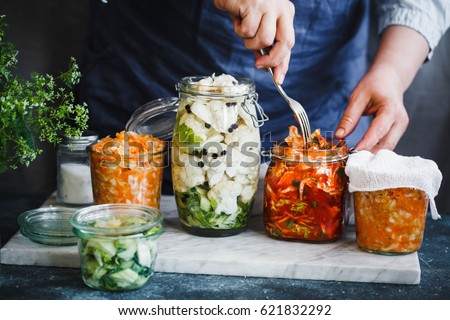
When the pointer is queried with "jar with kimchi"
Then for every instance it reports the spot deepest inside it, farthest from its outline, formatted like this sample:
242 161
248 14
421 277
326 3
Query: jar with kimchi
127 169
390 221
304 189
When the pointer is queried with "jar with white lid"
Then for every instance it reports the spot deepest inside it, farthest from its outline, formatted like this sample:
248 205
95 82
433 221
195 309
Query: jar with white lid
73 176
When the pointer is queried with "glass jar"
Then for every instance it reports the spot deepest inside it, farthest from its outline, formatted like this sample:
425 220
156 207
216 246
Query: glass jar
304 193
73 174
390 221
48 225
216 154
127 169
117 244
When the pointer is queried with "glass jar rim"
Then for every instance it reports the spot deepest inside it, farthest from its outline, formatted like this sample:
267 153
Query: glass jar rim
82 220
78 144
87 137
90 150
189 85
338 152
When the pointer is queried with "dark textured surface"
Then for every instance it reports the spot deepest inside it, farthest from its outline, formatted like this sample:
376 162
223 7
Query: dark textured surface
28 282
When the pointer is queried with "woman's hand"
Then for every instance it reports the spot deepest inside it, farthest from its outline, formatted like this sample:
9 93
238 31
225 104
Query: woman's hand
264 24
380 92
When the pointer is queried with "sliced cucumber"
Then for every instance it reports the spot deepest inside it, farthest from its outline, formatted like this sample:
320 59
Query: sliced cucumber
144 254
205 204
124 278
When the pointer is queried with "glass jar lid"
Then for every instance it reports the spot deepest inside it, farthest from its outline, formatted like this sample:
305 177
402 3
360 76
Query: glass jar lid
48 226
156 118
117 220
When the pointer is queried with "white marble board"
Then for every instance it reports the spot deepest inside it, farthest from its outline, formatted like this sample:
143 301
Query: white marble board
251 253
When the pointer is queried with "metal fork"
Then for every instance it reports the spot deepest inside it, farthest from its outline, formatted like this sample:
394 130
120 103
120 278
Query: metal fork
296 107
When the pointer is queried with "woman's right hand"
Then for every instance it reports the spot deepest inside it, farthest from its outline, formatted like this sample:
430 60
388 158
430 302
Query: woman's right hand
264 24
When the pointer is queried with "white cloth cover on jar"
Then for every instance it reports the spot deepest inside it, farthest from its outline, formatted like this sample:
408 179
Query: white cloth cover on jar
388 170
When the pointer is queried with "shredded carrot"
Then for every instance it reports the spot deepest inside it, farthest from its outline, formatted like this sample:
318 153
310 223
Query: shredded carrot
127 169
391 220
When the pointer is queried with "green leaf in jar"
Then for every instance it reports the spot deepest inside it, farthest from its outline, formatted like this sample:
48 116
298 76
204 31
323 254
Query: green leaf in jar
290 224
187 135
275 232
298 207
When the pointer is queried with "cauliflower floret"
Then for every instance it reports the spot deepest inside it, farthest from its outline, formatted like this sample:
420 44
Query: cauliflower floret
248 191
197 126
223 115
216 174
215 167
194 176
179 179
243 163
215 149
253 174
214 137
201 110
186 172
225 194
241 179
208 81
224 80
244 135
213 156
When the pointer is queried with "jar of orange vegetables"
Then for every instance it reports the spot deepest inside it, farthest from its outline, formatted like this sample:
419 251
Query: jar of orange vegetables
391 195
390 221
304 189
127 169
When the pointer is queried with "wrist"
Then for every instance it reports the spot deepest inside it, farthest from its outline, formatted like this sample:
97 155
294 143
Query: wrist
401 52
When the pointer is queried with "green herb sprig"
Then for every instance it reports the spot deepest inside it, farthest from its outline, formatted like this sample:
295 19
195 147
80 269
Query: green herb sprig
42 107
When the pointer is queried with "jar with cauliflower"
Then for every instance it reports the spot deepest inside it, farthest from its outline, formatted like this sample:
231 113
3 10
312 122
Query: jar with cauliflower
215 156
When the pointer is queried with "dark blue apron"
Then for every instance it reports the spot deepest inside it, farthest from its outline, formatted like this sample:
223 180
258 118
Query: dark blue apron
137 50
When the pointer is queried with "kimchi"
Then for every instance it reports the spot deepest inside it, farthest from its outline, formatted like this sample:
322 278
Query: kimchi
304 188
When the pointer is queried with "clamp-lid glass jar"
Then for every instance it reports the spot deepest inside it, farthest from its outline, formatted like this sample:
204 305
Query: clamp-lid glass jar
216 153
73 172
304 191
117 244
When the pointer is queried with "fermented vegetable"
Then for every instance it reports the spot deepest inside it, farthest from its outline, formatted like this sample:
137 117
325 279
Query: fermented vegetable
117 264
215 159
117 244
304 188
127 169
390 220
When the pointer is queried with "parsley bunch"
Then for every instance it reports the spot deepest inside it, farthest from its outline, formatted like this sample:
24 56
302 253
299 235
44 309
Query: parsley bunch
42 107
